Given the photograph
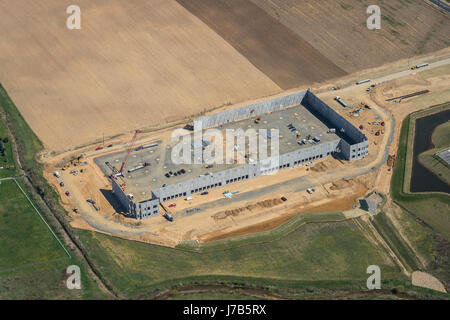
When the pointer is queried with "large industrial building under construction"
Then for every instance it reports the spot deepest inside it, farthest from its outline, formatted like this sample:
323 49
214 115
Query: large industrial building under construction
296 116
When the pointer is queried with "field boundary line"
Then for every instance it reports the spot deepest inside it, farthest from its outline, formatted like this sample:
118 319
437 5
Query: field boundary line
32 204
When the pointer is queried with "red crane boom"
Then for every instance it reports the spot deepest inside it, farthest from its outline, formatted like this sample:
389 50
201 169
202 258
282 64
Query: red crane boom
130 148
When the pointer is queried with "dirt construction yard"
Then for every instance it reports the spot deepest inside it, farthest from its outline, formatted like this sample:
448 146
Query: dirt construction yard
258 205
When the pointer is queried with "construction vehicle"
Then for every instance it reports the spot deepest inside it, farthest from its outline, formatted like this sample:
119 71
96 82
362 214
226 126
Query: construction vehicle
420 66
130 148
146 164
363 81
257 120
338 99
94 204
168 216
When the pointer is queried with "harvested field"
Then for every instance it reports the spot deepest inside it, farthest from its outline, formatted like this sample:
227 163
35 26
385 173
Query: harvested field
284 56
338 29
132 65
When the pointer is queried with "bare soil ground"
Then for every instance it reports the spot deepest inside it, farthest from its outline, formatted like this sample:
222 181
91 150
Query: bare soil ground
340 204
273 48
132 65
426 280
338 30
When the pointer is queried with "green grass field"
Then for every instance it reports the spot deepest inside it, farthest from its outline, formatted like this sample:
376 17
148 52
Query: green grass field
330 251
389 234
32 261
24 237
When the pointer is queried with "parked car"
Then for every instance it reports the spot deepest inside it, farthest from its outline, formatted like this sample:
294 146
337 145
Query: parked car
172 205
67 193
61 184
204 193
283 199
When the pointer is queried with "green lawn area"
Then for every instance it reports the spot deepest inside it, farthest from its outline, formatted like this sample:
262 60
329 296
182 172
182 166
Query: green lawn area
31 259
326 251
24 238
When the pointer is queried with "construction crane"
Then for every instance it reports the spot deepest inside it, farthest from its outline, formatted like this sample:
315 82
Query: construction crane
130 148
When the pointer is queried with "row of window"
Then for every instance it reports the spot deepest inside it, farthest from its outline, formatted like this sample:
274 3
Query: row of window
237 179
145 214
359 154
310 158
174 196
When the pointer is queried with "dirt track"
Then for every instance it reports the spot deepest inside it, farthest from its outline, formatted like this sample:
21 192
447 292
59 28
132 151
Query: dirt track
273 48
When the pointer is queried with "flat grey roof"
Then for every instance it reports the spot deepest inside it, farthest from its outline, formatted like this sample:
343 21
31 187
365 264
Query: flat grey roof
141 182
444 155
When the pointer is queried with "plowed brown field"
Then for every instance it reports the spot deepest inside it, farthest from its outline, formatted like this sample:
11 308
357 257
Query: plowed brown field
133 64
273 48
338 29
